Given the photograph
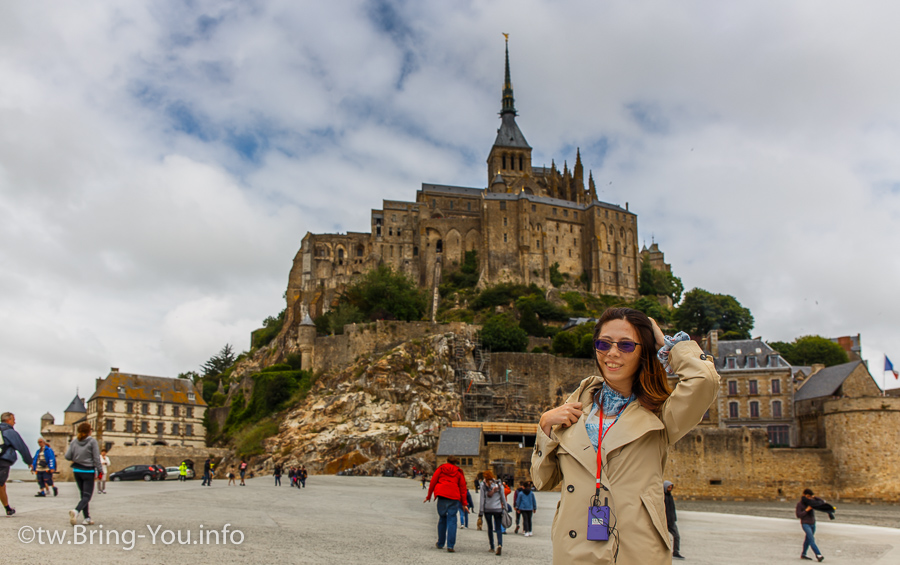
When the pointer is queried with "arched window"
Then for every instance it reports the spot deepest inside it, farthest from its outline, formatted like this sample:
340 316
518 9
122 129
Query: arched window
521 166
439 247
359 250
340 255
504 162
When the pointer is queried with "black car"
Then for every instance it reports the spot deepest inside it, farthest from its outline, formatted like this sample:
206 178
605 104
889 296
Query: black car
139 472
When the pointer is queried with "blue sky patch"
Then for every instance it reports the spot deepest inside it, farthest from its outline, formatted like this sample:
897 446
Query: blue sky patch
648 116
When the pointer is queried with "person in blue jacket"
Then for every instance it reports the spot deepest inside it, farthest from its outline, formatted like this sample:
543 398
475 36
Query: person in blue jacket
526 504
11 443
44 465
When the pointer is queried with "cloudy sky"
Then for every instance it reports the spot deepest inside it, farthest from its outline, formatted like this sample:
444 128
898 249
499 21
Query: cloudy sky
161 161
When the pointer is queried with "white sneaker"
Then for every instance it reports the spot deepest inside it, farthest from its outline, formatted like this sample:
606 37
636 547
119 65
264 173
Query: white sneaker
72 515
88 522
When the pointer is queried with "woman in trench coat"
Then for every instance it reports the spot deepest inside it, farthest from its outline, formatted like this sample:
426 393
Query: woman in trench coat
642 417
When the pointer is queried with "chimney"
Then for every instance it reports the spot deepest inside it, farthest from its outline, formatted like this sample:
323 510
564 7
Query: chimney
714 342
816 367
113 369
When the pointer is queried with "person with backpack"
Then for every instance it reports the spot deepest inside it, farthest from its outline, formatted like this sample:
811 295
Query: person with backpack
526 505
491 507
84 453
44 465
448 485
10 443
302 475
242 469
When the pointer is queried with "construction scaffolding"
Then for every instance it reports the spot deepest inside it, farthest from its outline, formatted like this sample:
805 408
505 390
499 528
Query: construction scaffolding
483 399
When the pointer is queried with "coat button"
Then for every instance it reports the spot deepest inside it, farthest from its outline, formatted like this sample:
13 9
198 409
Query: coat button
572 534
571 488
540 454
703 356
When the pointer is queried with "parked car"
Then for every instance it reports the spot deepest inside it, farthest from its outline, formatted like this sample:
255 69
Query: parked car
139 472
172 473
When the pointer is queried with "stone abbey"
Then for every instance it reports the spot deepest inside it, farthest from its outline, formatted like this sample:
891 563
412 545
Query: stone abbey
524 222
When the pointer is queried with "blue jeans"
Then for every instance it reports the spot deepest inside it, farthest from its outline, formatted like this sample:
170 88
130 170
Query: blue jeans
447 509
810 540
493 524
463 518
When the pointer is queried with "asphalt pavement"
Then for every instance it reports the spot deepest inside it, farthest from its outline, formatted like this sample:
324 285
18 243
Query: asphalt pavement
365 520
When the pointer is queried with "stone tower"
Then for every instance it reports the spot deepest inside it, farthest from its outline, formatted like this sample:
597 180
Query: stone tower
306 338
510 156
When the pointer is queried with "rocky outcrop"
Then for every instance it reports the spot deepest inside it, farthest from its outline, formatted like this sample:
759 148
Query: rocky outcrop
378 413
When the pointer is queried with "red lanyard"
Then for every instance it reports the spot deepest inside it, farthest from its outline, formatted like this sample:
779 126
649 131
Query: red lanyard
600 435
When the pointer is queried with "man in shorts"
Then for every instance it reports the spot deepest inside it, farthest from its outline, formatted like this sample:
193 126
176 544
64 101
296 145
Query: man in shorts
12 442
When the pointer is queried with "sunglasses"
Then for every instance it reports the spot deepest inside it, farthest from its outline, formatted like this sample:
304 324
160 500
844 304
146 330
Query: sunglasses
625 346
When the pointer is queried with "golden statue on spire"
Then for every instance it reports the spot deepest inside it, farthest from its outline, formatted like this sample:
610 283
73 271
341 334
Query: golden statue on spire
506 35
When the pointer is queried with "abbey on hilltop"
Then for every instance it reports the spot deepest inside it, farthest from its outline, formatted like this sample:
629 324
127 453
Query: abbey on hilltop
524 222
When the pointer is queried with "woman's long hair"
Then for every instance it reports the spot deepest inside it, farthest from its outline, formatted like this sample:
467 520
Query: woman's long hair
488 476
84 430
650 385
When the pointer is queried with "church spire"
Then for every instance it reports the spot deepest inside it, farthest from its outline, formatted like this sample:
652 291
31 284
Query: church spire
509 103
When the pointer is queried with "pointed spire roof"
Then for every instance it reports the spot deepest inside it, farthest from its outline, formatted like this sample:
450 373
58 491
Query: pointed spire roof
307 321
77 405
509 134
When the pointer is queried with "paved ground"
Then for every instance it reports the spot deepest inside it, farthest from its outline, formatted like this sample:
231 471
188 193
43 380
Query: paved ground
367 520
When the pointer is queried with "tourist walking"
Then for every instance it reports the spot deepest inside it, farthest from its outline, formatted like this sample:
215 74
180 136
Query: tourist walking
629 410
526 505
516 504
302 475
207 473
84 453
464 511
231 476
242 469
448 485
277 473
671 518
807 515
491 507
182 471
104 472
10 443
43 466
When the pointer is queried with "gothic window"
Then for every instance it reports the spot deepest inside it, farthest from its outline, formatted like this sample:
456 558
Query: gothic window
776 409
504 161
733 410
611 231
439 247
359 250
378 231
754 409
340 255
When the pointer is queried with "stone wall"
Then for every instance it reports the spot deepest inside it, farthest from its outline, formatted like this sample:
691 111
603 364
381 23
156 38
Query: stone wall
863 434
860 383
549 379
738 464
359 340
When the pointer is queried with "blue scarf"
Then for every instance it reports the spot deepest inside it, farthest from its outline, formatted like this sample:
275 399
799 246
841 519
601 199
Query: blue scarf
613 403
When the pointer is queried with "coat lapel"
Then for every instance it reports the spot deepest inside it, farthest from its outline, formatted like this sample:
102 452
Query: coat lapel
634 422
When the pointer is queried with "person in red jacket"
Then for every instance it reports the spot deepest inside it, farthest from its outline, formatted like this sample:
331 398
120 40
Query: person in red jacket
448 484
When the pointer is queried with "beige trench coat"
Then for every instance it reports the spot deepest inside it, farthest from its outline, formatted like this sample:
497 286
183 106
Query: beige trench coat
634 459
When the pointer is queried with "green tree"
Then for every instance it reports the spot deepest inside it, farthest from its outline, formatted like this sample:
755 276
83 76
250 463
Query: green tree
575 342
333 321
383 294
218 363
529 321
651 306
810 349
556 278
703 311
271 327
502 333
659 283
193 376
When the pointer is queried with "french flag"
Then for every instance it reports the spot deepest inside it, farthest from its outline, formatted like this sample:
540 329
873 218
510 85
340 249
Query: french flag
888 366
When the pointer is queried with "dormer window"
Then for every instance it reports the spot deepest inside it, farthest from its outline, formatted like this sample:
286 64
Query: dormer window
737 351
121 390
751 362
157 394
730 363
773 360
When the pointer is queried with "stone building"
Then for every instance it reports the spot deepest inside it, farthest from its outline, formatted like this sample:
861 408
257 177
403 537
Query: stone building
525 221
58 436
848 380
137 410
755 389
502 447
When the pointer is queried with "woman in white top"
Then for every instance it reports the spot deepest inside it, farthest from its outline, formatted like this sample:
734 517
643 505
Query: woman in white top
101 484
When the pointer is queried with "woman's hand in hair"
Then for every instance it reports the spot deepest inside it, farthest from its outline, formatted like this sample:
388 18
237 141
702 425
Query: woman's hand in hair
564 416
658 334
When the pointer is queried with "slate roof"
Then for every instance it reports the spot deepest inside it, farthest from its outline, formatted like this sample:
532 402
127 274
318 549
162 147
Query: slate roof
742 350
509 134
460 441
141 387
826 382
77 405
